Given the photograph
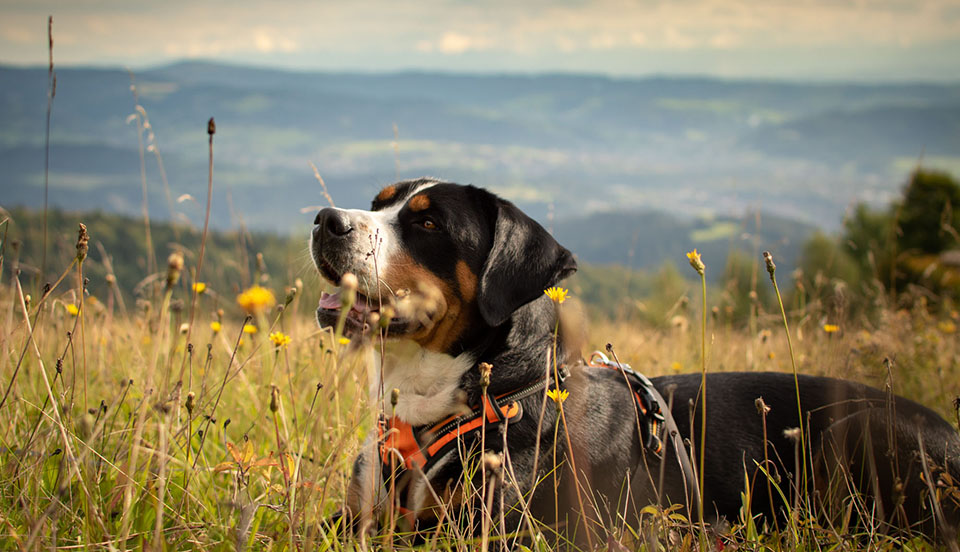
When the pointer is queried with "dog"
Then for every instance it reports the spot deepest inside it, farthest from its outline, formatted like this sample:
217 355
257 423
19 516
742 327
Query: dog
450 279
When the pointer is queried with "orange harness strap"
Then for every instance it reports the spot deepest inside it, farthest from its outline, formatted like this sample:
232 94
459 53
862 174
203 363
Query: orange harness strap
399 438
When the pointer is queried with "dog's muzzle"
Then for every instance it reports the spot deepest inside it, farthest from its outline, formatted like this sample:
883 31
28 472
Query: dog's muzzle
332 241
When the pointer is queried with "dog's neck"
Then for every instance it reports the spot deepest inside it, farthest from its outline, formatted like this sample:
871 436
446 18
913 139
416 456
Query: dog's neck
520 350
433 386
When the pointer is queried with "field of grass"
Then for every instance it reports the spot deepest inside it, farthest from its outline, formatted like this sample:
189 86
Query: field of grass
182 423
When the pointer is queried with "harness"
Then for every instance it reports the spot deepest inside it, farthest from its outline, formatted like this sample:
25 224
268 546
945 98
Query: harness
405 448
400 446
650 417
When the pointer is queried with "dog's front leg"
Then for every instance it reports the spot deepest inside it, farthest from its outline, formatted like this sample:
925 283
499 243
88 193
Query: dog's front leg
366 493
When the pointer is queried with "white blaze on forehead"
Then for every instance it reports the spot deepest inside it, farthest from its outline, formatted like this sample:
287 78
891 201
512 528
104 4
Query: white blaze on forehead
376 241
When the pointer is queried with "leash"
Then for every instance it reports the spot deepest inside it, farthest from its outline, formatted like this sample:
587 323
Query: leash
654 417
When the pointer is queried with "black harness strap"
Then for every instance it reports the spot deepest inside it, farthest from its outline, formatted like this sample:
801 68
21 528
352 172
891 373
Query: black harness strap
651 417
657 423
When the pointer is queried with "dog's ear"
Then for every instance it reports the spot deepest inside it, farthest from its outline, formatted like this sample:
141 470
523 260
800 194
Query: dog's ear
524 260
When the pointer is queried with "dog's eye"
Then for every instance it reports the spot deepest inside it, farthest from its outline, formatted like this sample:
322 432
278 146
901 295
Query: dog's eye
428 224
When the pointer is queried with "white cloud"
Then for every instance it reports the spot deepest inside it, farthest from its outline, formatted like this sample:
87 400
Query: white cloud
588 35
456 43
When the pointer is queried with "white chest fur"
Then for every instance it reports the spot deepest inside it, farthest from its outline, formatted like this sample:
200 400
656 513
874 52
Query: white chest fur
427 382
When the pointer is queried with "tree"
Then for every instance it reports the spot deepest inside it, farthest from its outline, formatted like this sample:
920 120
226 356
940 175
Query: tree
930 213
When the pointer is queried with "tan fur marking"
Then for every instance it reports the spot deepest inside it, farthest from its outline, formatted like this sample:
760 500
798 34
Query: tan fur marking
451 319
387 193
468 282
420 202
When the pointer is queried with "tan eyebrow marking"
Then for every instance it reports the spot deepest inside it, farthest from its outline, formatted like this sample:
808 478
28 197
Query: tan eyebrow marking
419 202
387 193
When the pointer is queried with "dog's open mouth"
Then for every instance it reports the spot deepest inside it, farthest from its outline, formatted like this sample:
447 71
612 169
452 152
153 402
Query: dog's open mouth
363 314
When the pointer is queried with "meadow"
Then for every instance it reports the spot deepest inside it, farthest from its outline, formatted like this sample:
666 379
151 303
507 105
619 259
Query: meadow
201 418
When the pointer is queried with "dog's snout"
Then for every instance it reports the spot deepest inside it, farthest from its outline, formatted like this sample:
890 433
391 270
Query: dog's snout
332 222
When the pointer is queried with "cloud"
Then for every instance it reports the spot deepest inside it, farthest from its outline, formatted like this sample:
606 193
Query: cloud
586 35
270 40
453 43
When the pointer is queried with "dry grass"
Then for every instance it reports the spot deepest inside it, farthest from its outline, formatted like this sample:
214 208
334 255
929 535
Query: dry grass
158 443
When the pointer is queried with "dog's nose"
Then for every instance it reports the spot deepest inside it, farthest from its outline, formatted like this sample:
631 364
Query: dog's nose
333 222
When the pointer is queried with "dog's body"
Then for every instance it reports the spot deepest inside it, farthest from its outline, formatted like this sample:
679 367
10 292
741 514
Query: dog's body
454 277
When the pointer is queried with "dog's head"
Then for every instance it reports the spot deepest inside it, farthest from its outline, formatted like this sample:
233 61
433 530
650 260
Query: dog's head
443 260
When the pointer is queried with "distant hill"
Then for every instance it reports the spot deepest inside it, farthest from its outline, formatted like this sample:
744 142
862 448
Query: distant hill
620 254
645 239
562 144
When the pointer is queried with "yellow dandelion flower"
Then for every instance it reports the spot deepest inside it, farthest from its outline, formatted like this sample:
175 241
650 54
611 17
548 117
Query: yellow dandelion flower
771 355
343 341
831 328
695 261
72 309
199 287
216 326
249 329
557 294
558 395
280 339
256 299
676 366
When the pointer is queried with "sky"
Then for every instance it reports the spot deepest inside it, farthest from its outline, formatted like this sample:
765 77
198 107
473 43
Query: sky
846 40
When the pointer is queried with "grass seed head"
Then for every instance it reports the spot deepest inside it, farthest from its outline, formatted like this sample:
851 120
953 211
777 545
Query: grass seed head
83 243
768 259
485 370
274 398
174 267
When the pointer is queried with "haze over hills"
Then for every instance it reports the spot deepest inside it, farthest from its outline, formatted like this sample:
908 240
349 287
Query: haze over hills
564 147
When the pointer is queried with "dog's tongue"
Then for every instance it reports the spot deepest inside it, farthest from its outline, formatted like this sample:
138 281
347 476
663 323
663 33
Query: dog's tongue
332 301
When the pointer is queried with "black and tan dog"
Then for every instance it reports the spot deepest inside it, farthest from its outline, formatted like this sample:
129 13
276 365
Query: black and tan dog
453 277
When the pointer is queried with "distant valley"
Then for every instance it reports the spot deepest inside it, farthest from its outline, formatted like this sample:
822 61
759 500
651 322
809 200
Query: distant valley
592 157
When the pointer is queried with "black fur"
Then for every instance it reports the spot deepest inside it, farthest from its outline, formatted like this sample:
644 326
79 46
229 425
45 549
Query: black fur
853 429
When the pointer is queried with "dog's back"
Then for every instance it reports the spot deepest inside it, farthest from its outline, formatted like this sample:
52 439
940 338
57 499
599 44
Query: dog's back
857 438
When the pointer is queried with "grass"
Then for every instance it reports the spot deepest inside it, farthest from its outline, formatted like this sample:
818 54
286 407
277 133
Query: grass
186 422
230 441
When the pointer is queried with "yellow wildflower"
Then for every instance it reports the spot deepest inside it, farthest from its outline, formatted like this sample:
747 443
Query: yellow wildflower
676 366
344 341
695 261
216 326
558 395
72 309
199 287
771 355
280 339
831 328
256 299
557 294
249 329
947 327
